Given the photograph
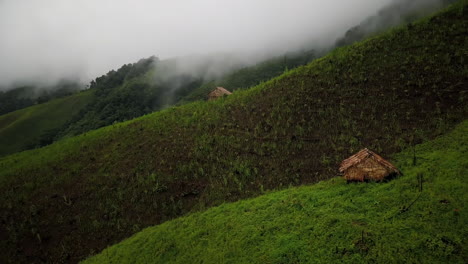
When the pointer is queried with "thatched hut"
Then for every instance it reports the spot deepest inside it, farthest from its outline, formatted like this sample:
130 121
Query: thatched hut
367 165
218 92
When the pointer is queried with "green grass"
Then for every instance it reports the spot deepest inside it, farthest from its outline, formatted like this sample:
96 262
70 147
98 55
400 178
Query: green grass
73 198
328 222
24 128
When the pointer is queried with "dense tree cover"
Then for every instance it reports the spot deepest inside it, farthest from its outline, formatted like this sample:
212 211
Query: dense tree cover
131 91
115 98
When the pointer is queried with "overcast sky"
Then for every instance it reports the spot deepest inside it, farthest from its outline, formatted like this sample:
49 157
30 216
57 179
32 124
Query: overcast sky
45 40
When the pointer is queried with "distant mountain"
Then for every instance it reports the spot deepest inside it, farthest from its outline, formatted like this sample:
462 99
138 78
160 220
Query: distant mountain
38 125
397 13
12 99
151 84
131 91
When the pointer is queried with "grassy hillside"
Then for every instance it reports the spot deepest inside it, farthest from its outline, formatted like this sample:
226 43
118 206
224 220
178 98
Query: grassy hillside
71 199
329 222
29 127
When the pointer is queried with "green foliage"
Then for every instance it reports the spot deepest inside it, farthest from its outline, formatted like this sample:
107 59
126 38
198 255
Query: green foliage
118 96
387 93
132 91
328 222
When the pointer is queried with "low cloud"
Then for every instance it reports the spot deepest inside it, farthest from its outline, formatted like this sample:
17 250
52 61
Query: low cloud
43 41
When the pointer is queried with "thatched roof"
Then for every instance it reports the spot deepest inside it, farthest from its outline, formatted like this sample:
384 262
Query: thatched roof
218 92
363 155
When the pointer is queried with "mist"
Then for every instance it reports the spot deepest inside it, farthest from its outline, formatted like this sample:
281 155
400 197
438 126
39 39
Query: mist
45 41
397 13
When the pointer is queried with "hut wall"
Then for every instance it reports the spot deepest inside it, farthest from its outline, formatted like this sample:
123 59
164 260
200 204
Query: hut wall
368 169
215 95
354 174
218 92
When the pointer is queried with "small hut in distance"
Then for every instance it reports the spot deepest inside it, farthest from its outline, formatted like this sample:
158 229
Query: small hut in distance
217 93
367 165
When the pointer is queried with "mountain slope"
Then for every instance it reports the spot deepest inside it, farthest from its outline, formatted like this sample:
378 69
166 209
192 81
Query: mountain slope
397 12
36 125
329 222
152 84
16 98
137 89
70 199
131 91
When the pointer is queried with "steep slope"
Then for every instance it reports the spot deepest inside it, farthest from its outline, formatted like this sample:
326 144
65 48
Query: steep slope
330 222
36 125
70 199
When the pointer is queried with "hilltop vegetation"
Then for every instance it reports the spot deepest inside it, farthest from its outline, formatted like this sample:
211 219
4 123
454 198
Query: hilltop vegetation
329 222
119 95
73 198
